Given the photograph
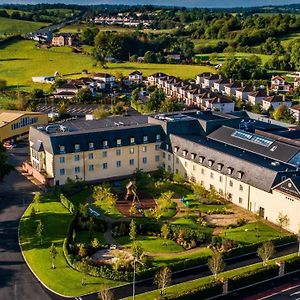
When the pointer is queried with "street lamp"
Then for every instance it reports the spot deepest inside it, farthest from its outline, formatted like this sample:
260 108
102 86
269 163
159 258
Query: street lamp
134 273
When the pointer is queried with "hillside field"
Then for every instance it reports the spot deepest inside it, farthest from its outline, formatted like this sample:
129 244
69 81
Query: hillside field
22 60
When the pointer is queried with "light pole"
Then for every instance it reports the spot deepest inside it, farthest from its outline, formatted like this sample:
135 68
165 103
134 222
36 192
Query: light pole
134 273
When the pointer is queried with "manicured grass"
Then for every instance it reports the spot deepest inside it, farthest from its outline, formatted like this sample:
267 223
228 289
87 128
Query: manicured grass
187 222
84 237
152 244
63 279
196 204
105 209
247 234
15 27
187 286
221 57
80 197
17 61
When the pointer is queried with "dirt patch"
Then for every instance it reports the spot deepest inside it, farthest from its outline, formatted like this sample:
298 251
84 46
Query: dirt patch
110 256
146 200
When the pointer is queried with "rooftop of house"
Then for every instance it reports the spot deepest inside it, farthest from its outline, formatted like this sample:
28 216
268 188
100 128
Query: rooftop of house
259 93
8 116
276 98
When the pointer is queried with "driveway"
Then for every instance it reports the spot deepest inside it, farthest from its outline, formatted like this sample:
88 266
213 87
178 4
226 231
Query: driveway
16 280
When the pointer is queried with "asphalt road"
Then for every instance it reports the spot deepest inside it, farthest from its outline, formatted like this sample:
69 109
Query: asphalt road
16 280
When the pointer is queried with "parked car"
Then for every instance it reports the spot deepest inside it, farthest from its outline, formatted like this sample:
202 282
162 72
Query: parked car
8 145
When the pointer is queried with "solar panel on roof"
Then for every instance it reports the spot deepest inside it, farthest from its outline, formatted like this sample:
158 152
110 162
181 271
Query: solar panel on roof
254 138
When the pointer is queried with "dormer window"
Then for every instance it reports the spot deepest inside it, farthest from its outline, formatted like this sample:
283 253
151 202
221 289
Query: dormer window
119 142
193 155
184 153
91 146
132 140
145 139
77 147
62 149
229 170
105 143
201 159
176 149
210 162
158 137
240 174
220 166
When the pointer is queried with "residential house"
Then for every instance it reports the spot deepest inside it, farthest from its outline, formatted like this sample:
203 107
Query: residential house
243 92
220 103
231 88
257 96
200 77
63 39
105 80
219 85
135 77
297 83
209 81
153 79
172 56
295 112
279 85
275 101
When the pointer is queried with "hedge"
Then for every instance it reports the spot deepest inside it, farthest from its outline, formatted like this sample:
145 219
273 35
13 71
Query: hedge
292 264
67 203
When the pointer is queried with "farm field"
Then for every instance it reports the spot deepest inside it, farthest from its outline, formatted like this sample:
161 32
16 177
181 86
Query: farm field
15 27
17 61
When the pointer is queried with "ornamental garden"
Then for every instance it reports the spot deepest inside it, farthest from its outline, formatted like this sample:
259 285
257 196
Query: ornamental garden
80 239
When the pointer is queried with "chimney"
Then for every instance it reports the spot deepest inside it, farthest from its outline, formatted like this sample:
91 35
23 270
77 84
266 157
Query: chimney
242 84
268 91
283 98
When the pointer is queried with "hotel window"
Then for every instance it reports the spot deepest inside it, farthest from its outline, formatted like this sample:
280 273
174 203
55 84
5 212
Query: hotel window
201 159
62 159
91 146
118 164
220 166
210 162
132 140
144 149
131 162
185 164
240 174
211 175
230 183
176 149
144 160
184 152
91 168
164 155
167 147
157 158
104 166
62 172
105 143
76 157
169 156
131 150
177 160
62 149
91 155
157 147
220 178
194 167
77 170
229 196
77 147
104 154
240 200
145 139
221 192
241 188
202 171
119 142
229 170
118 152
193 155
158 137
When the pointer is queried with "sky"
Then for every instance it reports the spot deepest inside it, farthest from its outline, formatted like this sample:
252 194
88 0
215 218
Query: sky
187 3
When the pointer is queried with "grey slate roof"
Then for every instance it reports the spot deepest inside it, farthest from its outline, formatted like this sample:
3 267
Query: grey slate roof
256 170
281 151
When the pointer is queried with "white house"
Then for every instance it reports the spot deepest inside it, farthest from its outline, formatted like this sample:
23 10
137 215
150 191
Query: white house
243 92
231 88
108 79
219 103
295 112
257 96
219 85
275 101
136 77
296 83
278 84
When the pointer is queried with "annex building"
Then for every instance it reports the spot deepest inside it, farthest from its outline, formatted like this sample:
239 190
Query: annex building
15 124
249 162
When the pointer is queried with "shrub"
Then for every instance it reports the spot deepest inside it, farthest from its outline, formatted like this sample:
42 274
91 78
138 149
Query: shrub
67 204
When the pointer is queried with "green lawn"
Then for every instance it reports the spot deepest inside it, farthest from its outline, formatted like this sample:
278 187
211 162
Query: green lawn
84 237
285 40
221 57
152 244
63 279
196 204
187 286
22 60
247 234
187 222
80 197
15 27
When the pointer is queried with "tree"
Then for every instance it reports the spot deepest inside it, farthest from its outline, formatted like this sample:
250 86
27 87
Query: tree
103 194
132 230
37 200
84 210
100 113
82 250
106 294
96 244
137 250
84 95
170 105
265 252
216 263
165 231
40 231
53 253
163 279
283 220
199 191
5 168
281 112
83 267
88 35
101 49
150 57
155 100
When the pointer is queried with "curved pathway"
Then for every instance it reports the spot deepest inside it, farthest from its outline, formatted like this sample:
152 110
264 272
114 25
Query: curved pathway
17 282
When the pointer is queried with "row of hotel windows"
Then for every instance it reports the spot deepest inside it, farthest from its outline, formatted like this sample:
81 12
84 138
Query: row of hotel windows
24 122
105 165
62 148
105 153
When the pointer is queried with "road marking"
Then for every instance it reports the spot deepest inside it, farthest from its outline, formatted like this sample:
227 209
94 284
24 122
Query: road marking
279 292
296 293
